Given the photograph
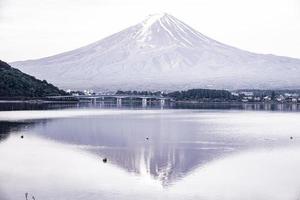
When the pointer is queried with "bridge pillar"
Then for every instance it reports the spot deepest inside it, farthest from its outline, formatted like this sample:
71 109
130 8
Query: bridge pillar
101 103
162 102
119 101
94 100
144 102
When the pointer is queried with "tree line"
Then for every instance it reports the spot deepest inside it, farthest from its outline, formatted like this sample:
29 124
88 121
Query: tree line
192 94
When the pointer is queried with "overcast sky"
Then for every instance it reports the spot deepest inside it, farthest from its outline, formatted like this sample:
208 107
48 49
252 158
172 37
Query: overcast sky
38 28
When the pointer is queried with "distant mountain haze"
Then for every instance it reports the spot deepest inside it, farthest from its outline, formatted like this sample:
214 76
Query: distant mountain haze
163 53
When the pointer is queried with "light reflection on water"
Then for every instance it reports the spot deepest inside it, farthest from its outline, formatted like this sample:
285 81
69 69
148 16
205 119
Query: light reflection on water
189 154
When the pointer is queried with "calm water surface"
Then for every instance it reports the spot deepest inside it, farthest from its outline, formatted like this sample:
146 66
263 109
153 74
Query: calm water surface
208 151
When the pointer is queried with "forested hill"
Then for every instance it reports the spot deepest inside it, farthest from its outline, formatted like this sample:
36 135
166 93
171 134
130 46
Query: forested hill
14 83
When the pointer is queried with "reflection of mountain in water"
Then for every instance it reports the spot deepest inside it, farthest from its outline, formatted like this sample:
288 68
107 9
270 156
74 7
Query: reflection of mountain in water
172 150
165 163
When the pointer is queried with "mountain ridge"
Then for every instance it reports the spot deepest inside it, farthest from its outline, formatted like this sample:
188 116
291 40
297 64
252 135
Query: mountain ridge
163 53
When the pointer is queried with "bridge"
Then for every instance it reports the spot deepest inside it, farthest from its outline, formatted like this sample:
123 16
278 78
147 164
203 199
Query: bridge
118 97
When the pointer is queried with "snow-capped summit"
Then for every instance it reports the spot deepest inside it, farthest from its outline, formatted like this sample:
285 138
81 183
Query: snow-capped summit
163 53
166 29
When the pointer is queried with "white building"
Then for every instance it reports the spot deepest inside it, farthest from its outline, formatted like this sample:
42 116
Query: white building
257 99
88 92
267 98
294 100
280 98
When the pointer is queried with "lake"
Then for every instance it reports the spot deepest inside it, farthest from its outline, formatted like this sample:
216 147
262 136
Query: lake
187 151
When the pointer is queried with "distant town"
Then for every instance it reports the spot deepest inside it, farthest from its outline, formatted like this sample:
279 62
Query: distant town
275 96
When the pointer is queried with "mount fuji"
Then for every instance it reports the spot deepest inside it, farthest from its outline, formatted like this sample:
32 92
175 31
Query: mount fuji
163 53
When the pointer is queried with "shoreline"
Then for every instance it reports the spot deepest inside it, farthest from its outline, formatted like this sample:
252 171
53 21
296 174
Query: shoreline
39 101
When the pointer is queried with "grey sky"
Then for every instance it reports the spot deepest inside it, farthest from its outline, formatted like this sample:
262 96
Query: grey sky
34 28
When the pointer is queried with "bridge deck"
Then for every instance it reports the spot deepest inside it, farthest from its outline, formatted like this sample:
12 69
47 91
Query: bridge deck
110 96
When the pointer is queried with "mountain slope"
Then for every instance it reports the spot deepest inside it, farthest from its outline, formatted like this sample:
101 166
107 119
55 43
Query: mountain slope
163 53
14 83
